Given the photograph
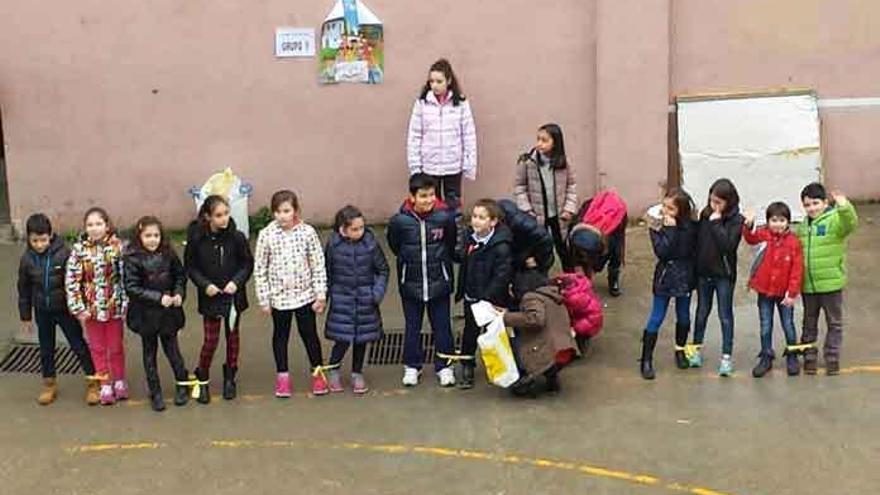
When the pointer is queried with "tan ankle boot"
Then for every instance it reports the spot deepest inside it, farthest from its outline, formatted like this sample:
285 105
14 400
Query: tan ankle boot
93 396
50 391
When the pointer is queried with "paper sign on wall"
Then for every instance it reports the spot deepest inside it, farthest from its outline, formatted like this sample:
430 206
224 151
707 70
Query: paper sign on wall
294 42
352 46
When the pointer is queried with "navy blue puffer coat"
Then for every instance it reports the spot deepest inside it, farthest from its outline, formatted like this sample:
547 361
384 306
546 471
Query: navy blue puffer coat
357 276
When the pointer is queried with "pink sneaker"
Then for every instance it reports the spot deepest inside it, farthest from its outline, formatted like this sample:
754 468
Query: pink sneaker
319 385
120 390
107 397
282 385
335 382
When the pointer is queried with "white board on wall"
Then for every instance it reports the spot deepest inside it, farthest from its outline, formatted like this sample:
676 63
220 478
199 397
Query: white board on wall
767 145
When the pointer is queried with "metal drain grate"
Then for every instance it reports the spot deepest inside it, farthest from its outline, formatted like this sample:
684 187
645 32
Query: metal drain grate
25 358
389 349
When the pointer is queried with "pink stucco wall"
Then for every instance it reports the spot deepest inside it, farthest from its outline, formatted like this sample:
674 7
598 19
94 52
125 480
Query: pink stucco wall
127 105
83 124
831 46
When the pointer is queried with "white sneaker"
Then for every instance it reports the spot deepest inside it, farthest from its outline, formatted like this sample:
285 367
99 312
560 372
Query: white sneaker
447 377
411 376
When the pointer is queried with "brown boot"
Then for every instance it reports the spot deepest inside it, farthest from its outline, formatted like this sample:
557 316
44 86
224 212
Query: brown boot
93 396
50 391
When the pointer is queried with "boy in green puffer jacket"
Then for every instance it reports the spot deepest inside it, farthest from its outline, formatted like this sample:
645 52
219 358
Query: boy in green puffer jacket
824 239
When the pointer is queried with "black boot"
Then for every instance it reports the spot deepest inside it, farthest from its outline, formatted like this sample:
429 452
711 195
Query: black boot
649 340
614 282
765 364
157 402
551 384
181 392
583 345
681 338
467 375
525 388
204 389
229 389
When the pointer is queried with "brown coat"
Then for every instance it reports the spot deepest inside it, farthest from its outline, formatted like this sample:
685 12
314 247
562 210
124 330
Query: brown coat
528 195
543 329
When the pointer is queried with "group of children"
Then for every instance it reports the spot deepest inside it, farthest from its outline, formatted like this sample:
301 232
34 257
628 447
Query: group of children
504 250
701 254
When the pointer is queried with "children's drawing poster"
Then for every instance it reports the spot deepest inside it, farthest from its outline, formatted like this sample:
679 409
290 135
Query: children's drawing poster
352 46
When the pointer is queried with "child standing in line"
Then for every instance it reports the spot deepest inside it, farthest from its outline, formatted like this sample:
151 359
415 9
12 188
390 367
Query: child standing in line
96 296
486 273
674 239
41 297
718 235
777 281
422 236
292 281
824 239
357 276
155 282
219 262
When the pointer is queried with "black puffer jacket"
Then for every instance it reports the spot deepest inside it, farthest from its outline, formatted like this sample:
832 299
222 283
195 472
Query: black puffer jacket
530 239
424 246
717 242
675 248
41 279
218 258
486 270
149 276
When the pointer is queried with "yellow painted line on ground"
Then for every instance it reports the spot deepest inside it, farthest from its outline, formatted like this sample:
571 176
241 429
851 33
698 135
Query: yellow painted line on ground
104 447
501 458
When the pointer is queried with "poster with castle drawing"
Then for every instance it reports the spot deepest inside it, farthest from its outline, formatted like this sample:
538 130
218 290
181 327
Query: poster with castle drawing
352 48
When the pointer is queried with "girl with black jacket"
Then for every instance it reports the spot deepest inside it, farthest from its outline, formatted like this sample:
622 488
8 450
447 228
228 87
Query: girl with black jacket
155 282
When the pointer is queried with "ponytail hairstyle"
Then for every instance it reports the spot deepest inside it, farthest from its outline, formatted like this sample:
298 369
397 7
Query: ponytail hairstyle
445 67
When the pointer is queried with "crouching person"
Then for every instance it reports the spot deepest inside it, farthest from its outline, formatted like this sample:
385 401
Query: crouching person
543 334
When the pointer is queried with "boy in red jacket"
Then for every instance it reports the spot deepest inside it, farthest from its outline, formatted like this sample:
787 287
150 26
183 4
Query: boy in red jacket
777 280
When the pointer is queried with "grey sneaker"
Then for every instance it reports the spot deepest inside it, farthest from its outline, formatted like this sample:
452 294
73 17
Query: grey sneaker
334 379
359 384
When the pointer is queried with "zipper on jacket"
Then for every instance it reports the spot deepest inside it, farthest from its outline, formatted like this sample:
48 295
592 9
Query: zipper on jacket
46 279
442 153
810 255
424 241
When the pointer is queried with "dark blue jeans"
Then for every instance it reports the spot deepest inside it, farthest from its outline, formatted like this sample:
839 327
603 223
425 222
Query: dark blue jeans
438 314
46 323
658 312
786 317
706 288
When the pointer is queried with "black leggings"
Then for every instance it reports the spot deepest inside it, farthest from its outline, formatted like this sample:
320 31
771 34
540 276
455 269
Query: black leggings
305 323
561 245
357 357
172 352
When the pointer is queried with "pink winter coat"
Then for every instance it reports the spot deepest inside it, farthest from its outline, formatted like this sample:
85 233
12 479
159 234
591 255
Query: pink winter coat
584 306
442 139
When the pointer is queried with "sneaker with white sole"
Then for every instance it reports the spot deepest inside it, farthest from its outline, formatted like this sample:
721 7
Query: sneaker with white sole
446 377
725 368
411 376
